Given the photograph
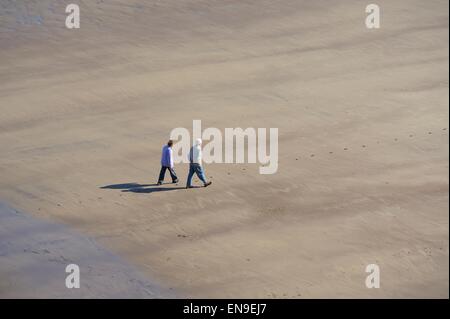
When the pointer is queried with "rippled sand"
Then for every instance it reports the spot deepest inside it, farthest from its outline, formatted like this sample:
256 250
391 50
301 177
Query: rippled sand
363 140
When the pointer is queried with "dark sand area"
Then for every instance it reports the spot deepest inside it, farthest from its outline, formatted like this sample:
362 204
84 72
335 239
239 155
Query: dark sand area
34 255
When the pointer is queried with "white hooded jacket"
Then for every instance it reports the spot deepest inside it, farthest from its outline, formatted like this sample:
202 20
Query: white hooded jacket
195 154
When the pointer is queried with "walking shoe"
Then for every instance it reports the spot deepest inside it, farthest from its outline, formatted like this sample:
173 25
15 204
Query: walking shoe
175 181
159 183
208 183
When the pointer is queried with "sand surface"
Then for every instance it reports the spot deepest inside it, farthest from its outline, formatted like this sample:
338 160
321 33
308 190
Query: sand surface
35 255
363 140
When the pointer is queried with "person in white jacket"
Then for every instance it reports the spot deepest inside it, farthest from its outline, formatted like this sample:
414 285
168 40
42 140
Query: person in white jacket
195 166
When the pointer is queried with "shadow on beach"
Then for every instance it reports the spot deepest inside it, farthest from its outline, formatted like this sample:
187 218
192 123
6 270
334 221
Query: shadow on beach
143 188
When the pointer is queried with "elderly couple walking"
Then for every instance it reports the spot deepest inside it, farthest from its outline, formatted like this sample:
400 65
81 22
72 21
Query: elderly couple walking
195 164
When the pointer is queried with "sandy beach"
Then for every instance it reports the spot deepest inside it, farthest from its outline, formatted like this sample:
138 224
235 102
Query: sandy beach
35 255
363 151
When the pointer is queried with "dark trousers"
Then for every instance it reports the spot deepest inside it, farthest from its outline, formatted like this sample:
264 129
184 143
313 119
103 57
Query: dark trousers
163 172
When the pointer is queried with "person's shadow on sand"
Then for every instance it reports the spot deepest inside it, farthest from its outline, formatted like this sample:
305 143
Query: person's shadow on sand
141 188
